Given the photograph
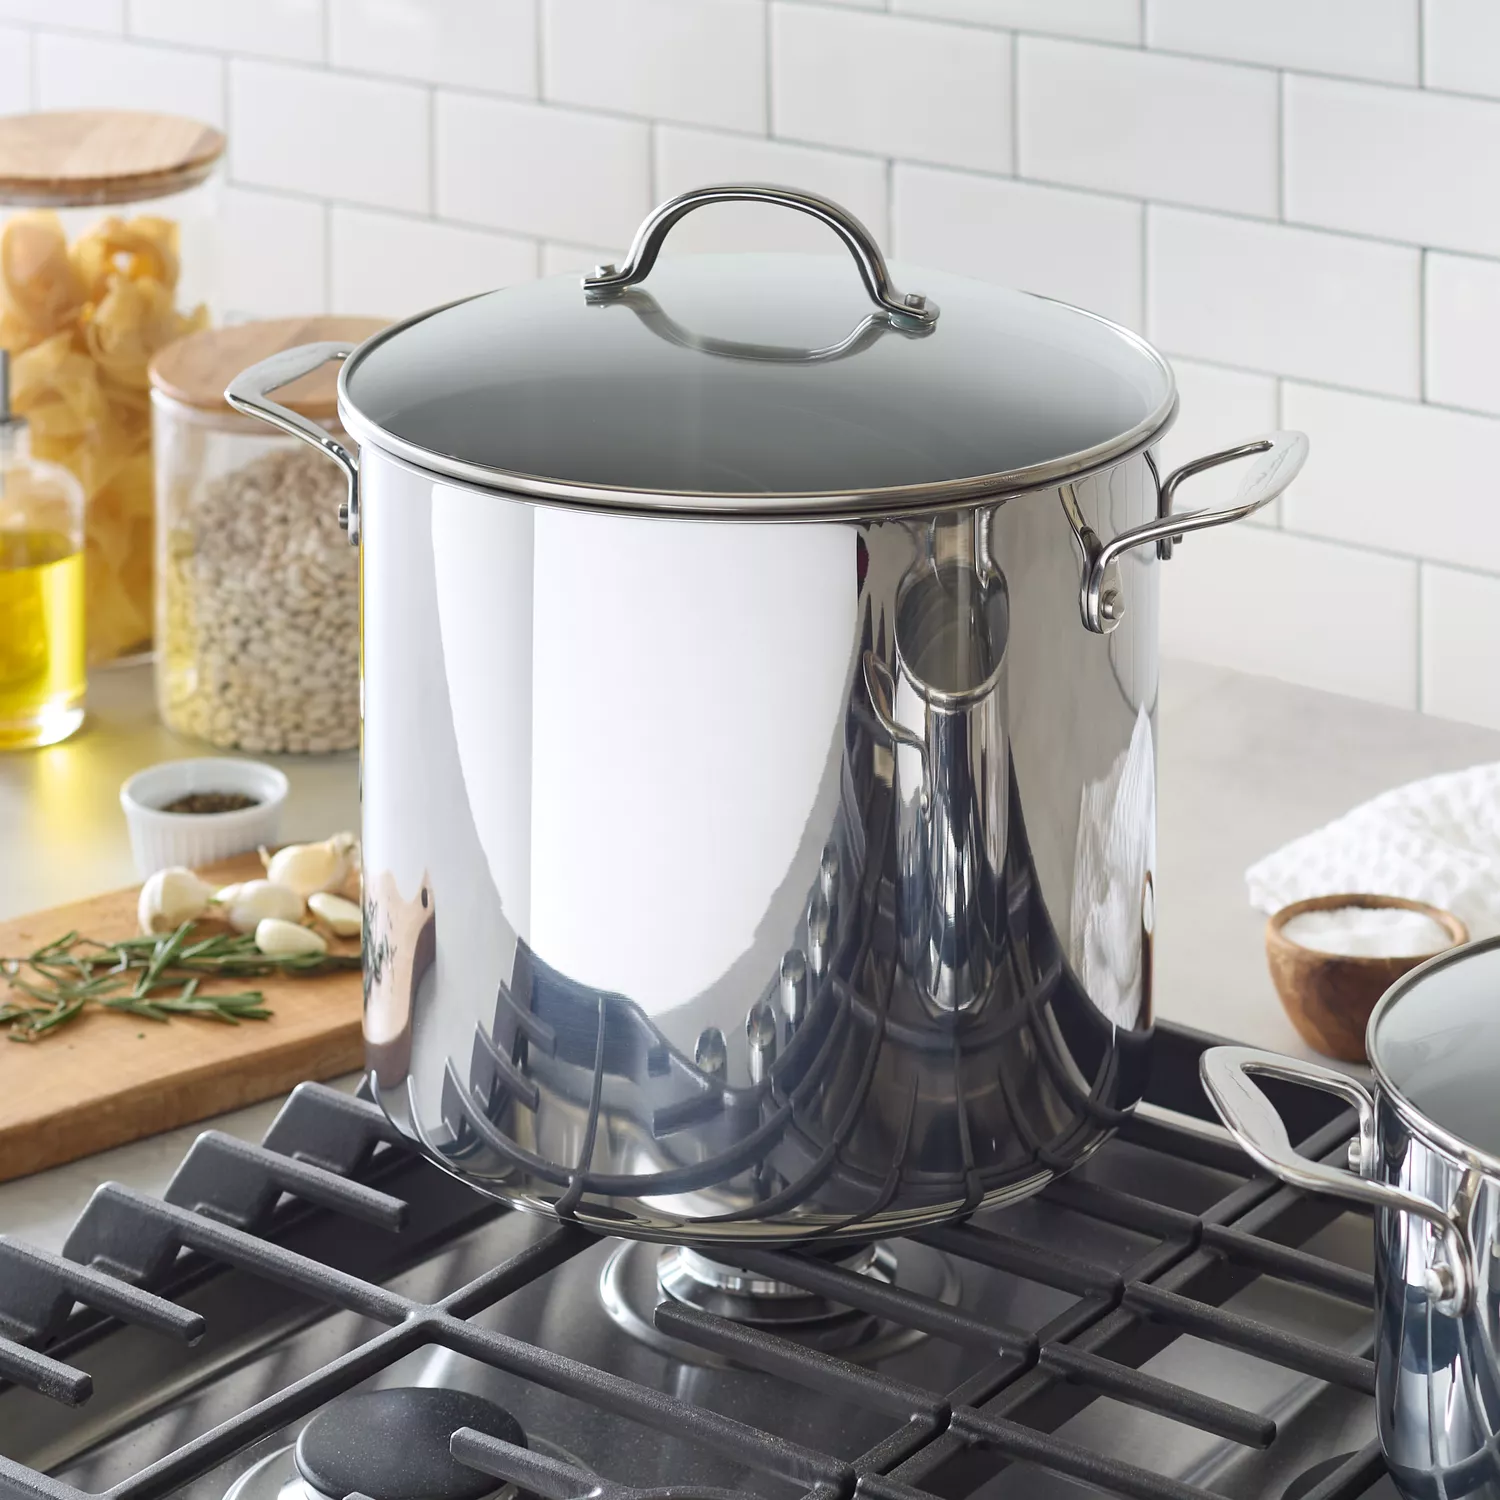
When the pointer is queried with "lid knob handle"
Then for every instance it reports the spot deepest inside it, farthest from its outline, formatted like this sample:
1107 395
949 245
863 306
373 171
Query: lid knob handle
903 309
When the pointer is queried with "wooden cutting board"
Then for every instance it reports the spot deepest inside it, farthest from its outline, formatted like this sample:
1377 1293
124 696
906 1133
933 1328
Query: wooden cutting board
106 1079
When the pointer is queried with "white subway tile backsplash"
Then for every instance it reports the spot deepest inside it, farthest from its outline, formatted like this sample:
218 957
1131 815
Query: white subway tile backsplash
15 70
1283 300
1395 475
1401 164
891 85
1325 616
1352 38
1074 246
698 61
1101 20
352 139
1217 409
1459 680
1170 128
1463 331
388 265
478 44
291 29
689 158
274 254
575 260
73 15
1461 46
1259 185
84 72
550 172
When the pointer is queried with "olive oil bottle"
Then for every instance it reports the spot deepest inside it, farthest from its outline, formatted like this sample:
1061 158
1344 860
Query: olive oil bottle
41 590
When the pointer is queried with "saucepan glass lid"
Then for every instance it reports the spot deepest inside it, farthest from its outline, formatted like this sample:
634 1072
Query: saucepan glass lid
1434 1040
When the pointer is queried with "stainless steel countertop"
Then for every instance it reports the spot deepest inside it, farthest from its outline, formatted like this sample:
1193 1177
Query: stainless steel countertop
1245 764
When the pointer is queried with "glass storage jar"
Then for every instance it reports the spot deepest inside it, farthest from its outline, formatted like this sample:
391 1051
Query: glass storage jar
41 590
257 598
108 229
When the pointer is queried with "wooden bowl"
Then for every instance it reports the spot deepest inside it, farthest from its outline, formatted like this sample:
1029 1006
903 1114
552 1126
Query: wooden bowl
1329 996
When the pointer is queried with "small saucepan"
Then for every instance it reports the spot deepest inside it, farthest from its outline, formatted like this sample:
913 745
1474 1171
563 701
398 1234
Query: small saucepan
1427 1161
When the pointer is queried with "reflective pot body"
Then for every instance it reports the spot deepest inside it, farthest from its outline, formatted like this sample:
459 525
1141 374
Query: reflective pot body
739 879
1436 1212
1437 1371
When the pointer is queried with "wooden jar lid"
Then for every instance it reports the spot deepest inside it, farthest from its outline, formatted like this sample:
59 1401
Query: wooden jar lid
80 156
195 369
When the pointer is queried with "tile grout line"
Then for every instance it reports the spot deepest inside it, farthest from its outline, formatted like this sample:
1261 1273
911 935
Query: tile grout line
1281 147
1015 105
769 93
1422 384
1421 674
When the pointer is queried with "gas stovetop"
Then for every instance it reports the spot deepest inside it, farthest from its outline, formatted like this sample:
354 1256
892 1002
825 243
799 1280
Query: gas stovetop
1167 1323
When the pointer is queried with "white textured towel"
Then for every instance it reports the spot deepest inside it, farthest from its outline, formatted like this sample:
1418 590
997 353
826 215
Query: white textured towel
1436 841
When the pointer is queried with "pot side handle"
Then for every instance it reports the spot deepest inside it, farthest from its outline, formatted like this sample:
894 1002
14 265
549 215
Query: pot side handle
1281 456
250 392
1228 1075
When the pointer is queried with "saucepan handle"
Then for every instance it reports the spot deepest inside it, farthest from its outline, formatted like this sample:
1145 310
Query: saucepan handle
250 392
908 308
1279 455
1229 1075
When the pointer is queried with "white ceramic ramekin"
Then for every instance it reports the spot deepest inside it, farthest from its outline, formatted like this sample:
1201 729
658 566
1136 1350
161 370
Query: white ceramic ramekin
159 839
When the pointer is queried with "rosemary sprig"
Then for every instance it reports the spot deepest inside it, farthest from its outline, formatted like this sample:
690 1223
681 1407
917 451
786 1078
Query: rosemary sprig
152 978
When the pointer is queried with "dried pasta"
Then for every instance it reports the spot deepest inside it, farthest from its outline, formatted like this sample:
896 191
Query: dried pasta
82 322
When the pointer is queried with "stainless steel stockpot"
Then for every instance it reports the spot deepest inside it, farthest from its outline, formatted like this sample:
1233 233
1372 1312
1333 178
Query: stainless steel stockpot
758 762
1427 1161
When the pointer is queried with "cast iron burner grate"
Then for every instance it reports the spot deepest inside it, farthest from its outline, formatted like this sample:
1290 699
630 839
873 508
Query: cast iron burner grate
252 1247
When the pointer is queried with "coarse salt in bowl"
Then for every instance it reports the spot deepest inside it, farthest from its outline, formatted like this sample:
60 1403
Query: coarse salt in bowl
159 839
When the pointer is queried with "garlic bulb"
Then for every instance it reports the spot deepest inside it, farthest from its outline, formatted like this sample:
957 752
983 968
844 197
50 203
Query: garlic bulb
341 917
251 903
281 939
314 867
169 898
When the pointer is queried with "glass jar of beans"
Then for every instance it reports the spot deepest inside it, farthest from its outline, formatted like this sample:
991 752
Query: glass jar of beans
257 592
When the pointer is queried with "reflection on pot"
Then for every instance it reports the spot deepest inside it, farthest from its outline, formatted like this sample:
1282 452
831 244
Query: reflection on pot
797 968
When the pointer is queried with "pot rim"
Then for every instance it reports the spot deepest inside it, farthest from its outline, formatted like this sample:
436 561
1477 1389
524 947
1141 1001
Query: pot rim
896 500
1411 1115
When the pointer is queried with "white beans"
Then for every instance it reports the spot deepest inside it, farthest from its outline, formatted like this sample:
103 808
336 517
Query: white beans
258 638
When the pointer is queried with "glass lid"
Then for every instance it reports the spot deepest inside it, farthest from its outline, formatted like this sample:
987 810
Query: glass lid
758 383
1434 1041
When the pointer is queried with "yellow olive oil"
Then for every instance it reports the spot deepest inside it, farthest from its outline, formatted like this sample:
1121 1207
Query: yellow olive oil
41 637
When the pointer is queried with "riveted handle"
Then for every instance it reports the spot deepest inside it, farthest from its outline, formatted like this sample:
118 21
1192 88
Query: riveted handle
1280 459
249 392
1229 1074
909 308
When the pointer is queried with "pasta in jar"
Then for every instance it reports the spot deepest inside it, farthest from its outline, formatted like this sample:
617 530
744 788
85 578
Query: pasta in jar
107 241
82 322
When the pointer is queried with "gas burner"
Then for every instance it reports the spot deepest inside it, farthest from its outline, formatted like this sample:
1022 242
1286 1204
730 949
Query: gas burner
387 1445
638 1276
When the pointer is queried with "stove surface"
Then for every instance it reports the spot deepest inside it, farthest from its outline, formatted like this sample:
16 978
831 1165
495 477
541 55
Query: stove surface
1166 1323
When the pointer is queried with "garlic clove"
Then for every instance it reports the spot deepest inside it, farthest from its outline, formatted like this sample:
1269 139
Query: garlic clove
314 867
169 898
256 900
277 938
225 894
341 917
